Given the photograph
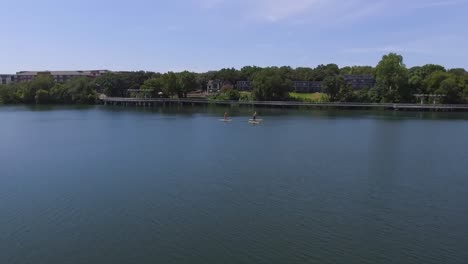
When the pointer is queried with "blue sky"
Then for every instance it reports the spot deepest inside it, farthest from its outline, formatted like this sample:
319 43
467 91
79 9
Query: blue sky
203 35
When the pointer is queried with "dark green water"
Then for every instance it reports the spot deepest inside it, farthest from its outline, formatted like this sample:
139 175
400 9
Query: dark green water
110 185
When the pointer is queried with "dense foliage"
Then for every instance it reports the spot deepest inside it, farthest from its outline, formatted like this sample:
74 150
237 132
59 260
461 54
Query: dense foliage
394 83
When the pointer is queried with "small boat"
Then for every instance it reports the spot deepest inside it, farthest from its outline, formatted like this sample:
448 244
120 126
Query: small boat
254 122
257 120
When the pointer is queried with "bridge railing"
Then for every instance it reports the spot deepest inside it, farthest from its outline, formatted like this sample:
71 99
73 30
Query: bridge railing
286 103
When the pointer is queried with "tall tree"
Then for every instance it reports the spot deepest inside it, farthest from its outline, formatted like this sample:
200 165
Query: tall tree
187 82
247 72
458 71
392 77
110 85
357 70
303 74
417 77
170 85
8 94
434 80
269 84
452 88
321 72
28 90
332 86
286 72
80 90
155 84
228 74
42 97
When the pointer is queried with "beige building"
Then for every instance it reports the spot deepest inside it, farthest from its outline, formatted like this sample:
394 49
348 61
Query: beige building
214 86
58 76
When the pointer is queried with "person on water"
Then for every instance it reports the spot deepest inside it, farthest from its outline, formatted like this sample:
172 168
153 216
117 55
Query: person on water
254 117
226 116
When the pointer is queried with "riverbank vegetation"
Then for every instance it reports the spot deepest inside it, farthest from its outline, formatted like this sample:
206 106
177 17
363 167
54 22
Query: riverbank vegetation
395 83
309 97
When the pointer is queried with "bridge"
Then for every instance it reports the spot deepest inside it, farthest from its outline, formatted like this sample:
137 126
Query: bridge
153 102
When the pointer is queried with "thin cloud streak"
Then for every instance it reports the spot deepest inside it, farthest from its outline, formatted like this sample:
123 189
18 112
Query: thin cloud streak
331 11
442 3
427 45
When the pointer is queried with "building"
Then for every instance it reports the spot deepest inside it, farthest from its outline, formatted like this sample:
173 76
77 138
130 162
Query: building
58 76
214 86
306 87
7 78
358 82
244 85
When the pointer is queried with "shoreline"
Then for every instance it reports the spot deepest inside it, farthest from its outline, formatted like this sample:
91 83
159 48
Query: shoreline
154 102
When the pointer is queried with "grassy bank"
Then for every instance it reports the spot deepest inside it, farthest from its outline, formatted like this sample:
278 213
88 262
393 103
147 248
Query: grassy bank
309 97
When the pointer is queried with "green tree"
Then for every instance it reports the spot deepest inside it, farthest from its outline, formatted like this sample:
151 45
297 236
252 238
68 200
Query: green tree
42 97
303 74
321 72
416 81
79 91
155 83
8 94
347 94
392 77
332 86
228 74
434 81
228 93
58 94
465 89
170 85
458 71
110 85
427 69
247 72
286 72
187 83
28 90
417 77
357 70
453 89
117 83
269 84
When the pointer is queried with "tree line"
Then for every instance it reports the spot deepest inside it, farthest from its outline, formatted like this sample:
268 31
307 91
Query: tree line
395 83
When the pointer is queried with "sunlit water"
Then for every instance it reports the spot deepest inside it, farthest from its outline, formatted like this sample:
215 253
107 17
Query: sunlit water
121 185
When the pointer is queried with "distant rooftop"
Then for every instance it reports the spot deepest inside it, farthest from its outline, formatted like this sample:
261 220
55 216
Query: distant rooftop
77 73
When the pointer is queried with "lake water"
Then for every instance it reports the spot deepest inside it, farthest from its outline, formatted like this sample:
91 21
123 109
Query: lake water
125 185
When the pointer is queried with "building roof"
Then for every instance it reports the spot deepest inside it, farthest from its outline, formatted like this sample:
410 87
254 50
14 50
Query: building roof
363 76
75 73
214 82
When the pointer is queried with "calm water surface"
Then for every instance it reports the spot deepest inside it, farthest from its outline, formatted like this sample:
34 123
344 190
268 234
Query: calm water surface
113 185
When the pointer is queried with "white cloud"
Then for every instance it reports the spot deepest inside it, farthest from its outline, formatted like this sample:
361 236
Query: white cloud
442 3
439 44
321 11
385 49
